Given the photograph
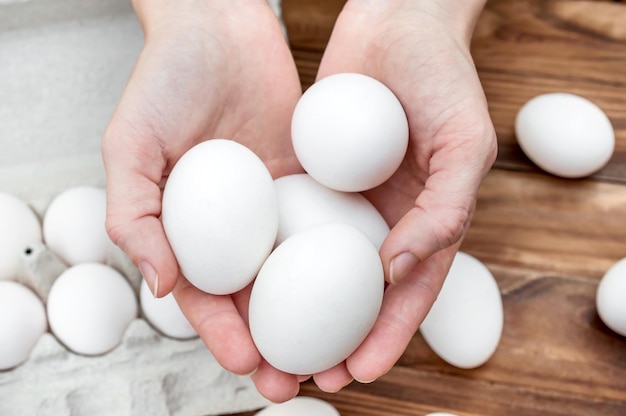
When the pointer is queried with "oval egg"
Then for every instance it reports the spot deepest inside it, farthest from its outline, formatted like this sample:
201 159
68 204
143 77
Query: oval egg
74 225
349 132
303 202
19 226
22 322
465 323
300 406
165 314
220 215
611 298
316 298
565 134
90 306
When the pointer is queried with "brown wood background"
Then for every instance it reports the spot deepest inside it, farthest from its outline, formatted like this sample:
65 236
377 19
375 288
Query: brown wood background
547 240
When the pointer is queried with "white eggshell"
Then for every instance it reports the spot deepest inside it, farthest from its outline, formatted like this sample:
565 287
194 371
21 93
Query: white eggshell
303 202
165 314
611 298
90 306
440 414
74 225
316 298
349 132
464 325
19 226
22 323
220 215
565 134
300 406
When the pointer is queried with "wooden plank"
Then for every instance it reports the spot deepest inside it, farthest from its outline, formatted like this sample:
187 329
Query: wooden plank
536 221
526 48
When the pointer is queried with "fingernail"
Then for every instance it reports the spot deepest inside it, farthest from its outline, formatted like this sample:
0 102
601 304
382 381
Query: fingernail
401 265
150 275
365 381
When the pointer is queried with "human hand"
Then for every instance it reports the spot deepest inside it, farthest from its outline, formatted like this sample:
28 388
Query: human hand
420 50
219 69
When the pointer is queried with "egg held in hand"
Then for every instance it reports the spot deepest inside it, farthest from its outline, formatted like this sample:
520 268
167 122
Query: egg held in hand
303 202
349 132
220 215
316 298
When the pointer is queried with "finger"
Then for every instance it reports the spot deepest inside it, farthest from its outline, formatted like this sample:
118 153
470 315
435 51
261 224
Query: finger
221 327
443 209
275 385
404 307
134 206
334 379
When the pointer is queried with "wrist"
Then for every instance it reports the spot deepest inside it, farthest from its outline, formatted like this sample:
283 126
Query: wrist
156 15
457 16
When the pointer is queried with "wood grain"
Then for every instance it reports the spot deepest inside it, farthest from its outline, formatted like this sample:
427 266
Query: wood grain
546 240
526 48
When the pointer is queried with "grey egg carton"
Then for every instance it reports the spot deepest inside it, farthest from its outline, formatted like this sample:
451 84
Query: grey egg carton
146 374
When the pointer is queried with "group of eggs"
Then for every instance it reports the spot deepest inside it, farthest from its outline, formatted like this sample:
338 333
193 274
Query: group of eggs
308 243
87 304
569 136
563 134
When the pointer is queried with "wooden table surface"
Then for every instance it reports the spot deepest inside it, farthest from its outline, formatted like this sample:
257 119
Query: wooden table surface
547 240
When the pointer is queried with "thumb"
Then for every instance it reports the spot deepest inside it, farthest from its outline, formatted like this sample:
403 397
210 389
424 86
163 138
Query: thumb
442 211
133 189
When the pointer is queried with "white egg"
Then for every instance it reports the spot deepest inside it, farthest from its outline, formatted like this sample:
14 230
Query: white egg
611 298
300 406
90 306
440 414
22 323
316 298
220 215
465 324
165 314
19 226
74 225
349 132
565 134
303 202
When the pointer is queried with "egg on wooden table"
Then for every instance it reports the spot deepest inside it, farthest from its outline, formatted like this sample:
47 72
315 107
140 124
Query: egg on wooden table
349 132
90 306
22 322
303 202
565 134
74 225
316 298
611 298
300 406
19 226
220 215
165 314
465 323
